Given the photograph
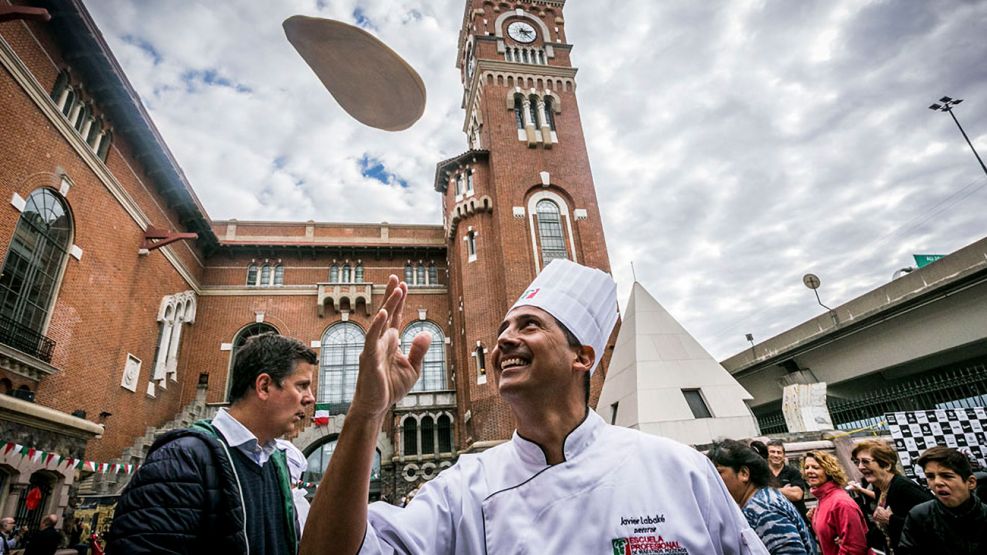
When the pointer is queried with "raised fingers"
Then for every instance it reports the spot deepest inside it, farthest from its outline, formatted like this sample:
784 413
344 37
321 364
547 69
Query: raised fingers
398 312
419 346
376 329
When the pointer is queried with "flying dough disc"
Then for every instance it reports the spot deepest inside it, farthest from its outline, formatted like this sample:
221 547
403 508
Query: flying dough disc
368 79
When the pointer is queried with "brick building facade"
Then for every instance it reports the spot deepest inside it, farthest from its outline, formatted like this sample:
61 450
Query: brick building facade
118 327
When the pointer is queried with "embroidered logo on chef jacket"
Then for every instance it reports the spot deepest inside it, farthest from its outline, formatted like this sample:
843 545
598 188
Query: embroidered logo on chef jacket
647 545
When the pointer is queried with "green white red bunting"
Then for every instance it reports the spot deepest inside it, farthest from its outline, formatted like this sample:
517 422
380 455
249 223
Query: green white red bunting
55 461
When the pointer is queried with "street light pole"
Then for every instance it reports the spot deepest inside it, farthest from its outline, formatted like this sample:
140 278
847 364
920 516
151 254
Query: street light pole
947 106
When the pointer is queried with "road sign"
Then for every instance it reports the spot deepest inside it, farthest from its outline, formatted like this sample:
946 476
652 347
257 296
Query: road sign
926 259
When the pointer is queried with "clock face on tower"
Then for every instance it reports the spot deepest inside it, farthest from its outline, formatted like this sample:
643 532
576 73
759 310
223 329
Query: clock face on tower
521 32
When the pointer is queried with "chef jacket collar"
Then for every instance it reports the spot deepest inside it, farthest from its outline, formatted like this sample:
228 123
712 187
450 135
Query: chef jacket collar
576 442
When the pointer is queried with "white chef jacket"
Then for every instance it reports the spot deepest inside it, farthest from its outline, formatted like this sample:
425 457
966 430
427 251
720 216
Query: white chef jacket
618 491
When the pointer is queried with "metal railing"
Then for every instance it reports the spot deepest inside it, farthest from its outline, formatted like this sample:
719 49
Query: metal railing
26 340
950 387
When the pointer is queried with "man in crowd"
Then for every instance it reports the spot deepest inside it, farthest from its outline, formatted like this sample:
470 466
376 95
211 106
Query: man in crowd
8 540
47 539
566 482
225 486
793 486
955 521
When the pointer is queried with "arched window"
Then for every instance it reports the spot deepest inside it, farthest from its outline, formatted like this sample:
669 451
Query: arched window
334 274
428 436
420 274
518 111
69 103
265 275
533 110
445 434
469 181
409 274
318 461
410 432
434 368
550 112
359 273
252 274
346 273
433 275
279 274
550 231
35 257
239 341
341 346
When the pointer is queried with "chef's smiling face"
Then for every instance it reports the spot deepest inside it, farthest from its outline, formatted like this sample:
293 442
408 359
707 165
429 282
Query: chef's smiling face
532 352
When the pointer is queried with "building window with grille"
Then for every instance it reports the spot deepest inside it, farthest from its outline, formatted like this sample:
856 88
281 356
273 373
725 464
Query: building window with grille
410 432
35 258
339 365
550 112
265 274
279 274
445 434
347 275
533 110
334 273
359 273
469 182
252 274
433 274
518 111
428 436
550 231
409 274
420 274
433 377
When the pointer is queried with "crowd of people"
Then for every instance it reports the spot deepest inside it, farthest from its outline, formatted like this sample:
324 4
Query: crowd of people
566 481
887 514
47 539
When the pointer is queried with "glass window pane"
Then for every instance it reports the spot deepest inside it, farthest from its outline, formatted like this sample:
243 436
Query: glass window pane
550 231
696 403
433 376
341 346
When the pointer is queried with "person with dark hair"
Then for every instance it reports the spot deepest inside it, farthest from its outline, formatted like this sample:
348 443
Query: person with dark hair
896 495
225 485
760 448
750 483
790 481
837 520
565 482
955 522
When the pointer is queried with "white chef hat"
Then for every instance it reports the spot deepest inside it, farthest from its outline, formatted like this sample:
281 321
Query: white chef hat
583 299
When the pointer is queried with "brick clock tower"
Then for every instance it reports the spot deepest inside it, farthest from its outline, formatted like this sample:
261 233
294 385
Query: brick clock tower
520 196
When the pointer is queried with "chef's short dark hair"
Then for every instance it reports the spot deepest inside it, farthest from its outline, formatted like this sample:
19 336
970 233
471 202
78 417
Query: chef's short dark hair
575 343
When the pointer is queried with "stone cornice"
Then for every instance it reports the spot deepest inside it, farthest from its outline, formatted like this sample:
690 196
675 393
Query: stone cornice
45 418
33 89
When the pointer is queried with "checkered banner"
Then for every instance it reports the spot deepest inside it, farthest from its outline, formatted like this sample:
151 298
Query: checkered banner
914 432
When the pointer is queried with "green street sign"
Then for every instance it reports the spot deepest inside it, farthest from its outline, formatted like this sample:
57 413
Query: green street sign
926 259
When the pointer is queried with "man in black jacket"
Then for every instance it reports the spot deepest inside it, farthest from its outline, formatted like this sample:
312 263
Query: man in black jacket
46 540
955 522
224 486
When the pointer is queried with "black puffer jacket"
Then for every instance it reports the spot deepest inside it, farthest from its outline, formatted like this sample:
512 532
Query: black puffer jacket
183 499
933 528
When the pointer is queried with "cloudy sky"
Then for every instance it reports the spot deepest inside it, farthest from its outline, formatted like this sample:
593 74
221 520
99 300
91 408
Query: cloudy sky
735 145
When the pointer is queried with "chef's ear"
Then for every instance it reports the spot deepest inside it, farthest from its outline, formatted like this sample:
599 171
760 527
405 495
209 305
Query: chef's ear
585 356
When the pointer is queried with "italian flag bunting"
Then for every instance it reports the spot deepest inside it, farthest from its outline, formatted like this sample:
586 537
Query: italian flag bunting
321 414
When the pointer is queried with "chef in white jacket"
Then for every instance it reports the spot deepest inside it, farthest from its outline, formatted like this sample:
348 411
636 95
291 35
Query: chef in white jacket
566 482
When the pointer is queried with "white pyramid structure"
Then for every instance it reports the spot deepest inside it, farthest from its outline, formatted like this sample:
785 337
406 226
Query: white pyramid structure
656 365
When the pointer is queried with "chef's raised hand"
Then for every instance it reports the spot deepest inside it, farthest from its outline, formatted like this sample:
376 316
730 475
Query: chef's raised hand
387 374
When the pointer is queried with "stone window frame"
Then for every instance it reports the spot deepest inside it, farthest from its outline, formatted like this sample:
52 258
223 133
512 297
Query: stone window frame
565 214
